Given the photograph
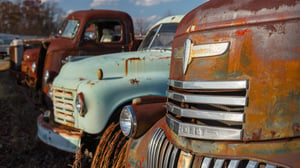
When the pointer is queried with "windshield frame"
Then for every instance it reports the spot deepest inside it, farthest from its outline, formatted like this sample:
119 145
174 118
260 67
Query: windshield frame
70 29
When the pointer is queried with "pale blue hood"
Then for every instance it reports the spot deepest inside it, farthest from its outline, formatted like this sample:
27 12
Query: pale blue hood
114 66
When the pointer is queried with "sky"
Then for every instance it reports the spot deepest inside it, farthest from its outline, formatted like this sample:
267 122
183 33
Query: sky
151 10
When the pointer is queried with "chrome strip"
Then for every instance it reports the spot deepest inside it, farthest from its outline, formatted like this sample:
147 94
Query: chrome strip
205 114
219 163
173 157
234 164
237 84
206 162
252 164
270 166
163 152
151 146
187 53
207 99
167 156
160 140
202 132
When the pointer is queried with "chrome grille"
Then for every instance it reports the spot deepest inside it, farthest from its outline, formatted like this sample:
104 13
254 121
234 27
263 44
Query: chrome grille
207 109
63 106
163 154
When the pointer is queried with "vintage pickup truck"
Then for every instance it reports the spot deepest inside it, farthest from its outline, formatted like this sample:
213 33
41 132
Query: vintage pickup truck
89 93
233 95
83 33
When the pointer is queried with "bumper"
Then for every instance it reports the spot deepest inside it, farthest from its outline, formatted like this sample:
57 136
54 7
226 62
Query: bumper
163 145
60 137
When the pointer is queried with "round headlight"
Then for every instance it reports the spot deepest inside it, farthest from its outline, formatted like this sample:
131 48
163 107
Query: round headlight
128 121
79 103
46 76
33 67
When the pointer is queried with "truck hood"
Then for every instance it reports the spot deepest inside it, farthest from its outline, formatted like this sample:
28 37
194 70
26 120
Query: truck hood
113 66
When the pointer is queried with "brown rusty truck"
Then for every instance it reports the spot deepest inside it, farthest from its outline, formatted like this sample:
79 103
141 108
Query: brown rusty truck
83 33
233 99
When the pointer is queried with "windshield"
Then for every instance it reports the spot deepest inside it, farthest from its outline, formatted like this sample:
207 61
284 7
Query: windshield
160 37
70 29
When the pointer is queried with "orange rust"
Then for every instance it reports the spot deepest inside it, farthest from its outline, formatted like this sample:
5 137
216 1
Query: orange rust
134 81
241 32
130 60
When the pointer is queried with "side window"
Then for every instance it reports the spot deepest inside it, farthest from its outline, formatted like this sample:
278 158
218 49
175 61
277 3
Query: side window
104 31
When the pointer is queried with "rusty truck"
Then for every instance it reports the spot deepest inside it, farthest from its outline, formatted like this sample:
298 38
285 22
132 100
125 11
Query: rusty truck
83 33
233 97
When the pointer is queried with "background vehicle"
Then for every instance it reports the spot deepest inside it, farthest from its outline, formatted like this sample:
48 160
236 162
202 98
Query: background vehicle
84 33
88 94
233 96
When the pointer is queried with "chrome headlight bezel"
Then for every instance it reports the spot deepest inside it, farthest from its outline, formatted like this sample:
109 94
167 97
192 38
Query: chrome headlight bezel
80 104
33 67
128 123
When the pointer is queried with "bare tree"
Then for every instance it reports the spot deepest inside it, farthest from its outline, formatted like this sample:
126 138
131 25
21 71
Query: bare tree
28 17
141 25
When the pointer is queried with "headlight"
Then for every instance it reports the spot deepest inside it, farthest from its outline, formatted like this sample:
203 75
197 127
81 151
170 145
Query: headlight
80 105
46 76
33 67
128 121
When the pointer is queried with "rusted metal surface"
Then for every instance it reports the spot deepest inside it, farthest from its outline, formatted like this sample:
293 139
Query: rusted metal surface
146 115
264 49
264 55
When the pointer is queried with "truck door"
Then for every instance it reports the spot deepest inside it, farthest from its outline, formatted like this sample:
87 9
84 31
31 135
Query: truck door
102 37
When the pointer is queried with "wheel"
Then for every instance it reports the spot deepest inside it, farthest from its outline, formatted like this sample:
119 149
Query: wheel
111 149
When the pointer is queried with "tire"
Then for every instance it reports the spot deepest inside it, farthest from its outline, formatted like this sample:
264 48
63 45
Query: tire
111 149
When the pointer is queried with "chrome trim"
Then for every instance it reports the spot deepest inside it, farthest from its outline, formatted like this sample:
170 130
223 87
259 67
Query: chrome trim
187 53
219 163
208 99
270 166
202 132
236 84
206 114
206 162
234 164
252 164
167 156
163 152
173 157
161 139
151 147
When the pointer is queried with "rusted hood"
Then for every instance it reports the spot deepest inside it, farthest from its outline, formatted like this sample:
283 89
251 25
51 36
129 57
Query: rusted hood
225 13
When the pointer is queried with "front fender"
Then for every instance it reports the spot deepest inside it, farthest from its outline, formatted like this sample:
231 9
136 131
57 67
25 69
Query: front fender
103 97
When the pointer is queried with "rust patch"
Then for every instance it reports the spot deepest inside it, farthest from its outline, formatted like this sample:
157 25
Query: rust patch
241 32
131 60
81 79
256 136
296 129
134 81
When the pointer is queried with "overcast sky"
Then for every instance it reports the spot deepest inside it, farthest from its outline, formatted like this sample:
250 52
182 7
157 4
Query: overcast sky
152 10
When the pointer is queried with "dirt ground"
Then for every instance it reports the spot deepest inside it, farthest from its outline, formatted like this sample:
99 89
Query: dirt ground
19 145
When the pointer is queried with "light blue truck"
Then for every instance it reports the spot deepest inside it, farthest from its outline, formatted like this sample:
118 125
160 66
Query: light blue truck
89 93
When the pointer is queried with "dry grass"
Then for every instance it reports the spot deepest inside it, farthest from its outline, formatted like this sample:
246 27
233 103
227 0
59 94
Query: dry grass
19 146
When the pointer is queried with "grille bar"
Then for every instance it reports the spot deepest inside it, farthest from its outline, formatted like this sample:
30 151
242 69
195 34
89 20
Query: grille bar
208 99
238 84
162 151
205 114
202 132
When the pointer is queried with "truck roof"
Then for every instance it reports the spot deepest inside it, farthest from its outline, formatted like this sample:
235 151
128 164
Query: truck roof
90 14
226 13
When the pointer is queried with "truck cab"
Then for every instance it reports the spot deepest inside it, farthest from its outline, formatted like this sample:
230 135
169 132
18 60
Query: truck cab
88 93
233 92
83 33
